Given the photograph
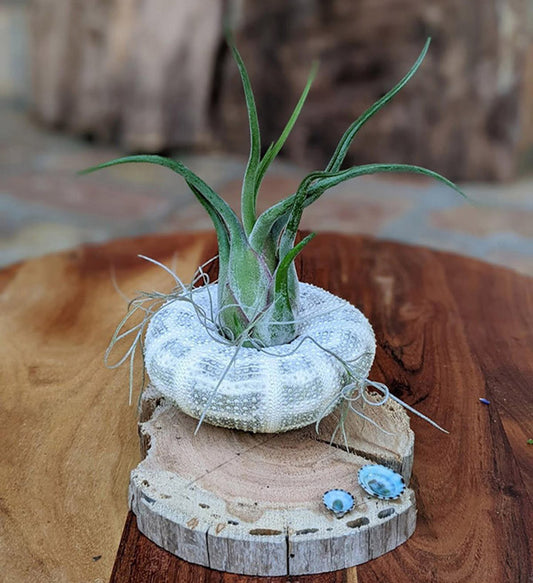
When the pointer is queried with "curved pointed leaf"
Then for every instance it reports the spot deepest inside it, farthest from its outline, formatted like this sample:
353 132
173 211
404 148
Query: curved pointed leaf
329 180
326 180
265 221
281 275
275 148
347 139
223 237
248 194
205 194
289 234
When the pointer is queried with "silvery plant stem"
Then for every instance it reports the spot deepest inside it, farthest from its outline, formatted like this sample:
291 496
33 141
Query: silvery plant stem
250 305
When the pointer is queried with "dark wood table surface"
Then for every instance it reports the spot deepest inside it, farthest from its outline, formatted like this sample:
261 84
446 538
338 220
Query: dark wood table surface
450 330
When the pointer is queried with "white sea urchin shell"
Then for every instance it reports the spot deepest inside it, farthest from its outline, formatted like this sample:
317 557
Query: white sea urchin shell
265 393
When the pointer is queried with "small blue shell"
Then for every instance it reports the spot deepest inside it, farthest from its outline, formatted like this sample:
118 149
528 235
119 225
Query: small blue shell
338 501
381 482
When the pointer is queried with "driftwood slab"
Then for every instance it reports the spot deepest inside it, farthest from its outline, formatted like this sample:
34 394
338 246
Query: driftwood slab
252 503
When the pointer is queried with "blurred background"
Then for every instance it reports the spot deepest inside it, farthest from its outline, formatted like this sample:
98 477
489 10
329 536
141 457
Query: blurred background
85 81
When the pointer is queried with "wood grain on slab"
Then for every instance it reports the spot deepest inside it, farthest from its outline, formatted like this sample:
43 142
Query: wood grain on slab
449 329
252 503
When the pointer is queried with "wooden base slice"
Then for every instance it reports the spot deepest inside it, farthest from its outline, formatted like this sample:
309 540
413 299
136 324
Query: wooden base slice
252 503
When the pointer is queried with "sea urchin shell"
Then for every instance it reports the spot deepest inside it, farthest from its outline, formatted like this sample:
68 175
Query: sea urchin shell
285 387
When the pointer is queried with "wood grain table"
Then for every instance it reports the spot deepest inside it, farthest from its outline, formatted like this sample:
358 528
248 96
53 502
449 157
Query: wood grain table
450 331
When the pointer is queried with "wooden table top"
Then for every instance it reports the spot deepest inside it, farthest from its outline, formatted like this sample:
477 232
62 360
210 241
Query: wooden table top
450 330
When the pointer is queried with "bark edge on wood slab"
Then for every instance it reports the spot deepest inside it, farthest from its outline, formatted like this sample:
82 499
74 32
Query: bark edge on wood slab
252 503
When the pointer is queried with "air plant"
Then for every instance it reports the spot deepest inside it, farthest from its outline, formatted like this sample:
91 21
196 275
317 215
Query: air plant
257 284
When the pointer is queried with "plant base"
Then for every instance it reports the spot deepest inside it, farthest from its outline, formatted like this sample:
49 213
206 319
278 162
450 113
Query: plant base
252 503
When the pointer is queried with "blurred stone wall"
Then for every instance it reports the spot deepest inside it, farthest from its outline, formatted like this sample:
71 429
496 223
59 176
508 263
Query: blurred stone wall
137 73
155 75
14 50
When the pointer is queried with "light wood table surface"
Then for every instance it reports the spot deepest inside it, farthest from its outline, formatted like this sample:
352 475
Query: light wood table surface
450 330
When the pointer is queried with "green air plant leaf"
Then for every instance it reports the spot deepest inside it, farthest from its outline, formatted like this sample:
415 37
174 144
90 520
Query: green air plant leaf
331 179
273 220
275 148
347 139
287 238
228 228
249 185
205 194
281 279
258 285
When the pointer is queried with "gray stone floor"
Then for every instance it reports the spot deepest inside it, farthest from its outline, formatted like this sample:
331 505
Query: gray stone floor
46 207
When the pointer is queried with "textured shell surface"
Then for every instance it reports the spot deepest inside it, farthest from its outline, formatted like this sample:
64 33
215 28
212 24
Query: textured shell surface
338 501
380 481
285 387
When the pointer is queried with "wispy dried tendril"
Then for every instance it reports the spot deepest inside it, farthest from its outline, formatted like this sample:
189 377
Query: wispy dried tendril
146 304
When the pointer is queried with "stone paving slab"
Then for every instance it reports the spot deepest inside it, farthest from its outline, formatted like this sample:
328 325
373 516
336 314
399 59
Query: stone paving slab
45 206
